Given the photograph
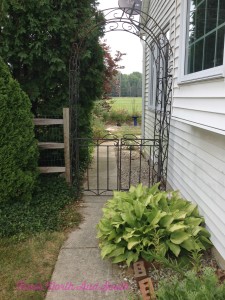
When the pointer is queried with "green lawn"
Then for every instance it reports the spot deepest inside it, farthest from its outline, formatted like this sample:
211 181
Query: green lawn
131 104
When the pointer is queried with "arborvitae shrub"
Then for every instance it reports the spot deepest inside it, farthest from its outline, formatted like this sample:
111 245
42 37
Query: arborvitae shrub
18 148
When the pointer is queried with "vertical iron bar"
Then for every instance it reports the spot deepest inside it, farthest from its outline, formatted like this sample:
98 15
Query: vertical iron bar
140 158
159 177
120 163
153 160
78 160
130 169
149 166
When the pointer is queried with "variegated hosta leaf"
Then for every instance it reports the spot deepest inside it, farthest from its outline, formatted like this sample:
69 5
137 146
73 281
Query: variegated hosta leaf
175 227
166 220
133 242
107 249
139 209
174 248
179 237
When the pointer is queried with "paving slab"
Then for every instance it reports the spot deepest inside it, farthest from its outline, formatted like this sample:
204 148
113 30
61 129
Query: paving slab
103 171
80 273
85 235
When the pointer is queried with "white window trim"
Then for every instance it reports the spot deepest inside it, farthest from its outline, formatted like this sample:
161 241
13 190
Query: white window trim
207 74
151 82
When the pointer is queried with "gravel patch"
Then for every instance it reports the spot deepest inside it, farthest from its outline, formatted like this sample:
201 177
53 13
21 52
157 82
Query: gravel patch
157 271
134 169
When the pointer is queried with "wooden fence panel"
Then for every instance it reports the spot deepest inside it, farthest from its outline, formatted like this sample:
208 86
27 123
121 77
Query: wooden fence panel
49 145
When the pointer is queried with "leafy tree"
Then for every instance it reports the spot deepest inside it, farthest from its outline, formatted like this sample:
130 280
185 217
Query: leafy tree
135 81
125 88
130 85
111 69
36 40
18 149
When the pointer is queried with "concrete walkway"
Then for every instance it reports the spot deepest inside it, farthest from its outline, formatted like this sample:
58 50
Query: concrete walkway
79 264
103 171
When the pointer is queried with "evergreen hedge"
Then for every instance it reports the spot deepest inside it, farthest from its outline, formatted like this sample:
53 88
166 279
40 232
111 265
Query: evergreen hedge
18 148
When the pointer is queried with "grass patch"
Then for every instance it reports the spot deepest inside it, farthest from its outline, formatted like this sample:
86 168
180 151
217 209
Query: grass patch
32 235
130 104
125 129
32 261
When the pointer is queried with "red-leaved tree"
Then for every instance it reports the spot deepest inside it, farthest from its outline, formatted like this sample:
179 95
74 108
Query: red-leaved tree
111 69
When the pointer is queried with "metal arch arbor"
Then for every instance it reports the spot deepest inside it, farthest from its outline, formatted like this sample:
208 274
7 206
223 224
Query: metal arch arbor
148 30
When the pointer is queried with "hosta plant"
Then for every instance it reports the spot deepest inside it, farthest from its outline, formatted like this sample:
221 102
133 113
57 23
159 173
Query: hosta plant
145 221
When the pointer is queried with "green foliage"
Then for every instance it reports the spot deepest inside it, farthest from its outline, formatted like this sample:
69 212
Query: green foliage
18 148
179 265
145 221
192 287
196 259
128 85
43 213
119 116
101 107
36 40
98 128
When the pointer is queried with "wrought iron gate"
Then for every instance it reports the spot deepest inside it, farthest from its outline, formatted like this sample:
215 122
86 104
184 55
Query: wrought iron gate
149 31
116 164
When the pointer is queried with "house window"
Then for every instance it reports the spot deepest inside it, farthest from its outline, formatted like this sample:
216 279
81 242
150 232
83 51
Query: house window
205 35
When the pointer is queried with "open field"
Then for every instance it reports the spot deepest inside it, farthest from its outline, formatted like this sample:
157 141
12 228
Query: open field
130 104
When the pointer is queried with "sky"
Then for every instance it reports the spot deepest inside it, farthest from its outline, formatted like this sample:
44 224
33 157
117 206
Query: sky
124 42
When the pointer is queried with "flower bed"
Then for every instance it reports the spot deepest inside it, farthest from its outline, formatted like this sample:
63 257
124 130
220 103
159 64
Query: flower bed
166 232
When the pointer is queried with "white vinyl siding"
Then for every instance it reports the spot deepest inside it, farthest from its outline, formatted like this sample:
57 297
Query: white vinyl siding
197 169
196 164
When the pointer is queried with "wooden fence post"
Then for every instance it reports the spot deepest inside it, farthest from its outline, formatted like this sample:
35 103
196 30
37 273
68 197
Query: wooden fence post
66 129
